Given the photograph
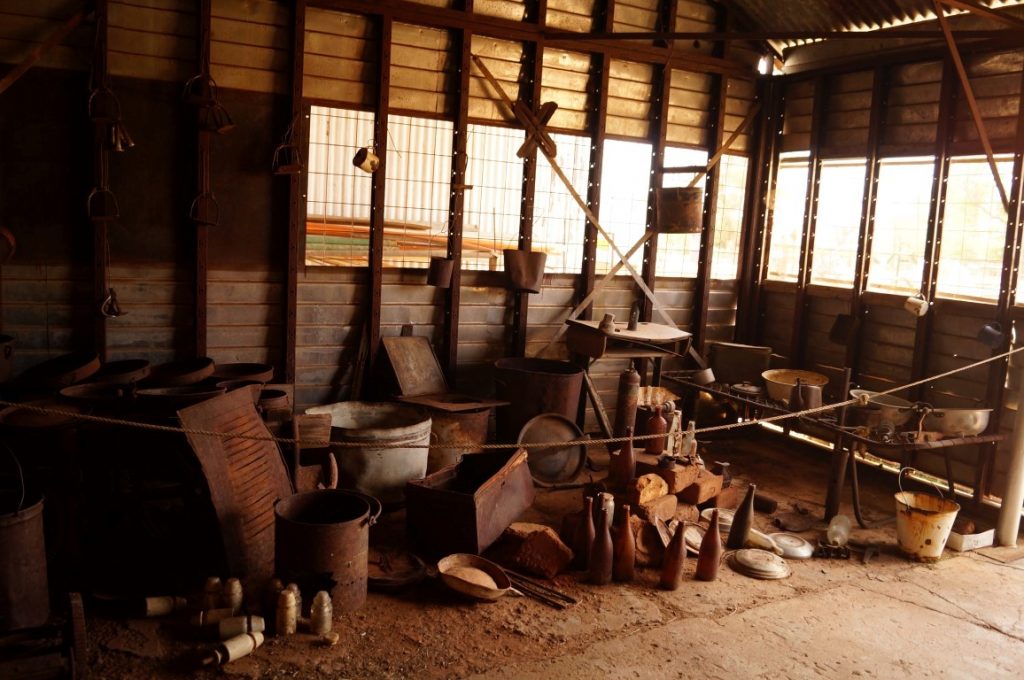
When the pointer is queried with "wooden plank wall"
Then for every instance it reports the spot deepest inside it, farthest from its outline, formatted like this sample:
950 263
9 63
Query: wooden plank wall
158 320
485 312
246 316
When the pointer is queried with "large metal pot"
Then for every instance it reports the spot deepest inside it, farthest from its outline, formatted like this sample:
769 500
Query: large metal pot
780 381
889 409
958 422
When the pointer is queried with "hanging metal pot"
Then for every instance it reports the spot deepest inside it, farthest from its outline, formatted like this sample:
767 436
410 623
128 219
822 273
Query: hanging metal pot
440 272
525 269
679 210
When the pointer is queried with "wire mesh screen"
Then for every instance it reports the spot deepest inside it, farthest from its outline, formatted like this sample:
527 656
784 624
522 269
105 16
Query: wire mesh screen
338 193
787 223
732 194
678 254
902 204
558 221
416 199
840 198
625 187
973 229
490 221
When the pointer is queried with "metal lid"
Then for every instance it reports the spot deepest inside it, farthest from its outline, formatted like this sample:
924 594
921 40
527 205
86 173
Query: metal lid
553 464
793 546
725 516
748 388
759 564
692 536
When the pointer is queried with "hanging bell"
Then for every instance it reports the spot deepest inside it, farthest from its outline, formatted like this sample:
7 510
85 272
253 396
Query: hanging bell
111 308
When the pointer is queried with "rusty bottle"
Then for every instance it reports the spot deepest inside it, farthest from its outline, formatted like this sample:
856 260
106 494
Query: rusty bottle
584 536
742 521
600 572
625 404
656 424
674 560
710 556
623 548
622 468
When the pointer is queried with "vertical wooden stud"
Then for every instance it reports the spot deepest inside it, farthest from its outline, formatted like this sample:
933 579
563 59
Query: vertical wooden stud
376 245
296 194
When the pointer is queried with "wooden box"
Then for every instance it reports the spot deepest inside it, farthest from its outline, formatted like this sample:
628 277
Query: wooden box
466 507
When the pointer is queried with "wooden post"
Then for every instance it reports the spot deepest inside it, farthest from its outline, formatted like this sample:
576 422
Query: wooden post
202 230
798 340
1004 306
296 194
597 136
756 222
456 204
101 180
702 292
659 131
529 92
867 216
376 245
936 214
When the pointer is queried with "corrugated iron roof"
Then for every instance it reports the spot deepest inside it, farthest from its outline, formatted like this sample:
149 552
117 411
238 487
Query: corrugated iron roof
840 15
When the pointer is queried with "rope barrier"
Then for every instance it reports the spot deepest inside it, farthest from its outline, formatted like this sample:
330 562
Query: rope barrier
120 422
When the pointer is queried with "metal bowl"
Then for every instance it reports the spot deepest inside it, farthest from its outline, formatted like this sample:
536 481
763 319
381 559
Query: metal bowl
958 422
449 569
780 381
890 409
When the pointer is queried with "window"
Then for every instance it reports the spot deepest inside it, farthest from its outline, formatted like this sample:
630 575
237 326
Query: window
973 230
338 193
625 187
558 221
732 193
679 254
902 203
416 197
788 217
490 219
416 200
840 197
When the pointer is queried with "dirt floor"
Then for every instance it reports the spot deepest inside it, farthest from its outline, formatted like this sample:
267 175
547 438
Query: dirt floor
960 618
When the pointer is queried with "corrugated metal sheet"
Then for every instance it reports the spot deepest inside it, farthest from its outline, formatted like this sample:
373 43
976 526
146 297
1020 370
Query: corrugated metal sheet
912 108
503 59
689 103
695 15
422 69
635 15
995 79
566 81
340 59
847 115
153 39
838 15
513 10
629 99
251 45
492 210
26 23
796 121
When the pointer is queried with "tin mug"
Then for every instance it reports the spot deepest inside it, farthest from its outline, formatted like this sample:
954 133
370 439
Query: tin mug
366 160
916 305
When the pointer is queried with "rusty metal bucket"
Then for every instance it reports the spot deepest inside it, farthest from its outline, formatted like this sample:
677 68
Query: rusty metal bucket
525 269
463 427
321 542
534 386
24 591
440 272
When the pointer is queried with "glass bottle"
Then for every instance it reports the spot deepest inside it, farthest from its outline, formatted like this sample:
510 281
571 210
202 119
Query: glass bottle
600 572
675 559
624 548
710 556
622 468
656 424
584 537
742 521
